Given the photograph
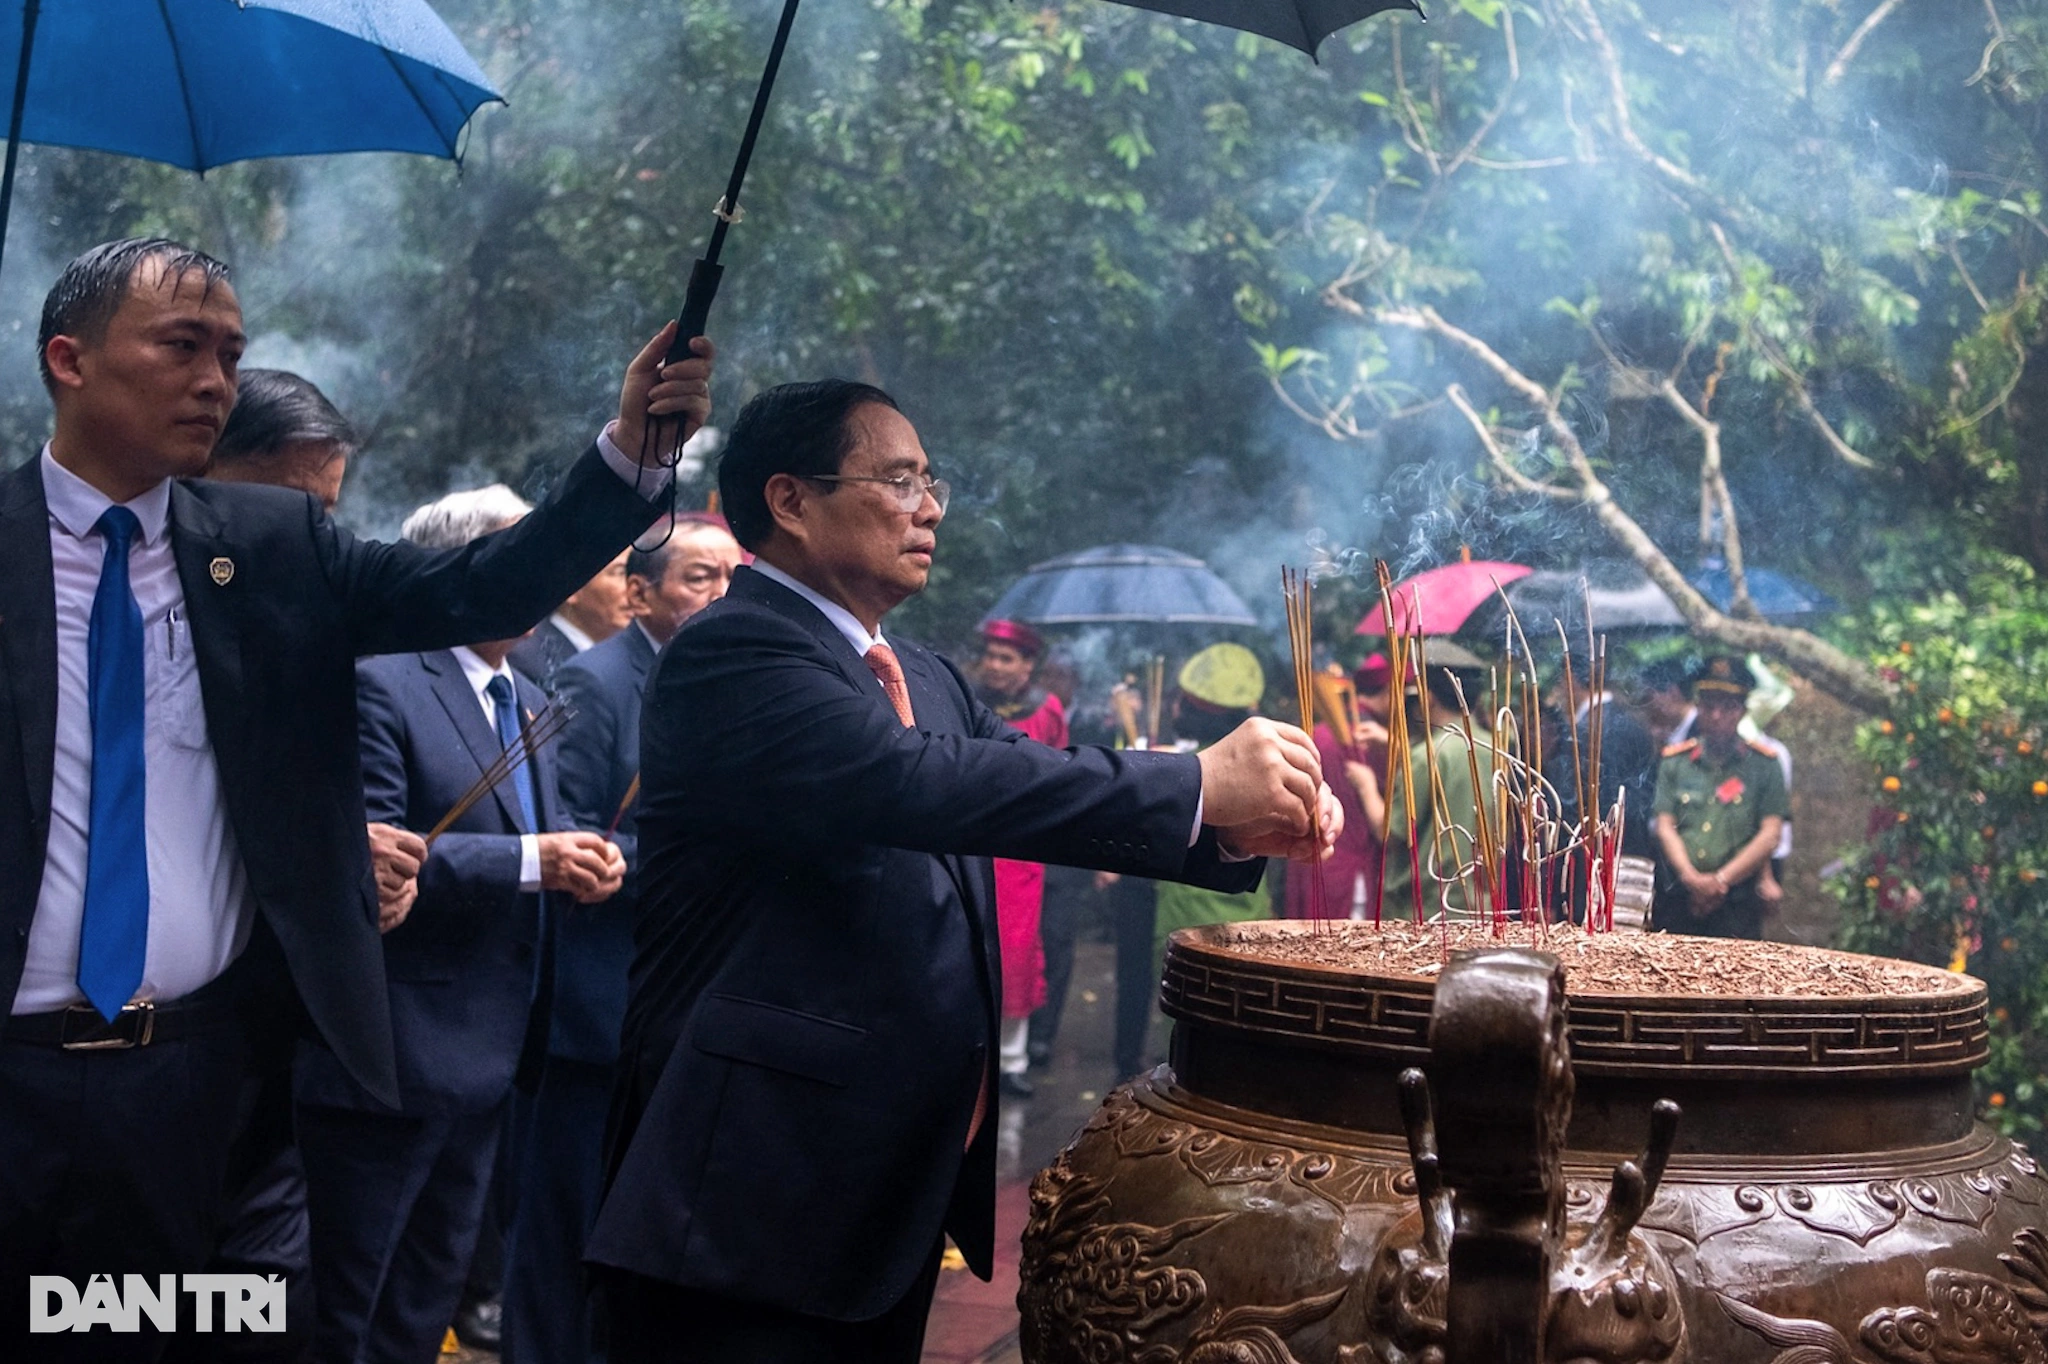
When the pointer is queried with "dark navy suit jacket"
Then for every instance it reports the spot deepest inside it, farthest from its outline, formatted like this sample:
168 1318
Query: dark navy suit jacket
541 655
600 756
814 984
277 638
464 966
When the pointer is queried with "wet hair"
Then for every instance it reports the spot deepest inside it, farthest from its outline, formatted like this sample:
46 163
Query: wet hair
458 518
275 408
651 564
798 429
92 287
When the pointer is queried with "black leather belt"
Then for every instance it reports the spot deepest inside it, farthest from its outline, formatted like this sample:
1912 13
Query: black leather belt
80 1027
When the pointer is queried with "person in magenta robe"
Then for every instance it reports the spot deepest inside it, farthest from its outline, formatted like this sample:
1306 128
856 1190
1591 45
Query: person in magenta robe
1010 652
1351 874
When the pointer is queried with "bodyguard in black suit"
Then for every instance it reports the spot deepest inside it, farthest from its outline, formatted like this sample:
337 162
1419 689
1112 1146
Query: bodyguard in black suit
218 916
547 1317
805 1100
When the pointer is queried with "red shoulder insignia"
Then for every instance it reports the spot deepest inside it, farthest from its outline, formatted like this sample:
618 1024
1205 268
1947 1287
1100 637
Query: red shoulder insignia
1681 748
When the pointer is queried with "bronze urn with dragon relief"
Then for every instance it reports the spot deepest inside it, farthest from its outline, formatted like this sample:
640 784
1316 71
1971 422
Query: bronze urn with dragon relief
1357 1156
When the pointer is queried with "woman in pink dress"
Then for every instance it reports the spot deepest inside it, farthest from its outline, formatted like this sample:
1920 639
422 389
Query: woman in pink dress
1351 873
1010 652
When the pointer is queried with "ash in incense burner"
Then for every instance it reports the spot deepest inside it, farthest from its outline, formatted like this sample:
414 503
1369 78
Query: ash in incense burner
1280 1193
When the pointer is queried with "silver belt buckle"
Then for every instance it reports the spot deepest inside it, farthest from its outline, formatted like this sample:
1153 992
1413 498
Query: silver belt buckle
145 1008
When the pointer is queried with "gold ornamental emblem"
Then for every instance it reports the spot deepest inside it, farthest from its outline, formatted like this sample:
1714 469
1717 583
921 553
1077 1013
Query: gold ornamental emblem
222 570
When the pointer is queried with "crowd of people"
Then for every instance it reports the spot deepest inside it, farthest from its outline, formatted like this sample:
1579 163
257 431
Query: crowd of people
643 969
1704 794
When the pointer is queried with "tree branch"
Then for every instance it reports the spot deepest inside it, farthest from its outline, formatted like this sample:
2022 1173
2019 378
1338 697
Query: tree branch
1840 65
1501 463
1716 480
1829 667
1847 453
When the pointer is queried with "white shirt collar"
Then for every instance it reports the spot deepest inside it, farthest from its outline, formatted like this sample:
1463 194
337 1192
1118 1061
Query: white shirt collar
842 619
570 632
479 675
77 505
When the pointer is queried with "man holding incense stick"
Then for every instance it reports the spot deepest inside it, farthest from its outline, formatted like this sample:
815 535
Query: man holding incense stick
806 1100
184 876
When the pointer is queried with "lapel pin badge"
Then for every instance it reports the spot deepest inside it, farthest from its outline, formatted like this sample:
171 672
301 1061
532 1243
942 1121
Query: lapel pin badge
222 570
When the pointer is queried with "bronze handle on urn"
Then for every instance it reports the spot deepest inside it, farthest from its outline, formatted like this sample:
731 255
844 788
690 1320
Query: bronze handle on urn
1487 1144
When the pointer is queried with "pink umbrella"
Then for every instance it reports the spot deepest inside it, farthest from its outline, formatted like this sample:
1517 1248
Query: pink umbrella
1446 597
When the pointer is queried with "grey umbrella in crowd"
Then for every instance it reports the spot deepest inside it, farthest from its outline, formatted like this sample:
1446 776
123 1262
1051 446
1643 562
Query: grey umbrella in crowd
1122 585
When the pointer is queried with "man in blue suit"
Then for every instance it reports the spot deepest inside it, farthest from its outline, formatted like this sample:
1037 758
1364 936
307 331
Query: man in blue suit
547 1318
395 1197
806 1092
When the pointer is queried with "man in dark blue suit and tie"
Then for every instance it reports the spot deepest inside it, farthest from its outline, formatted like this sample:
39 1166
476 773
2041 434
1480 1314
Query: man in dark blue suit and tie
806 1098
547 1317
184 874
395 1198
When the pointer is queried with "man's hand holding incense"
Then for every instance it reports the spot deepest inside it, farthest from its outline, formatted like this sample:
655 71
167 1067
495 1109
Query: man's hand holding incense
395 857
584 865
1260 783
663 395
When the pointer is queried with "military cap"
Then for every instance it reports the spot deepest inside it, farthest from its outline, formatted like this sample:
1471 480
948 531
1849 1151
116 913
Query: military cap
1723 674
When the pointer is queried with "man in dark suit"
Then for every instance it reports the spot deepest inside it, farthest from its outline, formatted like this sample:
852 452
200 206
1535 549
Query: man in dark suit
396 1197
547 1318
594 613
806 1090
184 874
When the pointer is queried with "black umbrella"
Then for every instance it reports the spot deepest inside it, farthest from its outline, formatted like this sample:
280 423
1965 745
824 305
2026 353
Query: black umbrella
1298 23
1122 584
1619 596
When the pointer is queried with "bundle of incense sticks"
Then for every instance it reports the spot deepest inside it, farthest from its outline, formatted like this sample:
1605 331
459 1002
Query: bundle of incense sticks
535 734
1297 591
1400 750
625 804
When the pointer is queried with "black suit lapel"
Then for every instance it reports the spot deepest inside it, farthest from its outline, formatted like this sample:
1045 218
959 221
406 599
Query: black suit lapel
747 585
452 690
28 628
214 575
540 762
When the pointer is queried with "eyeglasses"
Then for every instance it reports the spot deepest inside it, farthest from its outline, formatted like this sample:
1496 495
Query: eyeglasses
908 488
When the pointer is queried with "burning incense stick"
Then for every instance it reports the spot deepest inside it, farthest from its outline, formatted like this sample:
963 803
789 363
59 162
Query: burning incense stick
533 736
1155 695
625 804
1297 591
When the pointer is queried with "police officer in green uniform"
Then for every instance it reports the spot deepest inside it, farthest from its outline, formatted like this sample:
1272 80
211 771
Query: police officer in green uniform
1720 805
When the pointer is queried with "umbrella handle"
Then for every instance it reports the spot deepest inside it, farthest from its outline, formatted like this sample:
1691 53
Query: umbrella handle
704 276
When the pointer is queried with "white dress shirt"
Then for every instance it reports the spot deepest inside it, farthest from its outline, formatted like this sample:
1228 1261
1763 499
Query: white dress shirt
200 911
479 674
578 640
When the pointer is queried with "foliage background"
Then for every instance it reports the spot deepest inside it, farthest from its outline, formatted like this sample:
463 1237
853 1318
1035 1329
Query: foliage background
1130 274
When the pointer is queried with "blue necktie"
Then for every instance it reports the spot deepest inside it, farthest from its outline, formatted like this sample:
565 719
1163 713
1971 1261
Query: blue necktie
113 937
499 689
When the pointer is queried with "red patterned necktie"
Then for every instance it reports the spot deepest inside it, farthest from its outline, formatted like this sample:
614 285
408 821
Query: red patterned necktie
881 661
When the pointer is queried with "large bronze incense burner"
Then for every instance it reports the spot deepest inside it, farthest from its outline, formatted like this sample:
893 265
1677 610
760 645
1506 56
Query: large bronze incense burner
1358 1156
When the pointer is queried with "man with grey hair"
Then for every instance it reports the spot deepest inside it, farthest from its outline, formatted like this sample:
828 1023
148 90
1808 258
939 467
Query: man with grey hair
396 1198
185 884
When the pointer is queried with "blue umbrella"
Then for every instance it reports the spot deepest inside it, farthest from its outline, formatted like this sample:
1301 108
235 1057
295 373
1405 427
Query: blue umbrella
1124 584
1778 596
199 83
